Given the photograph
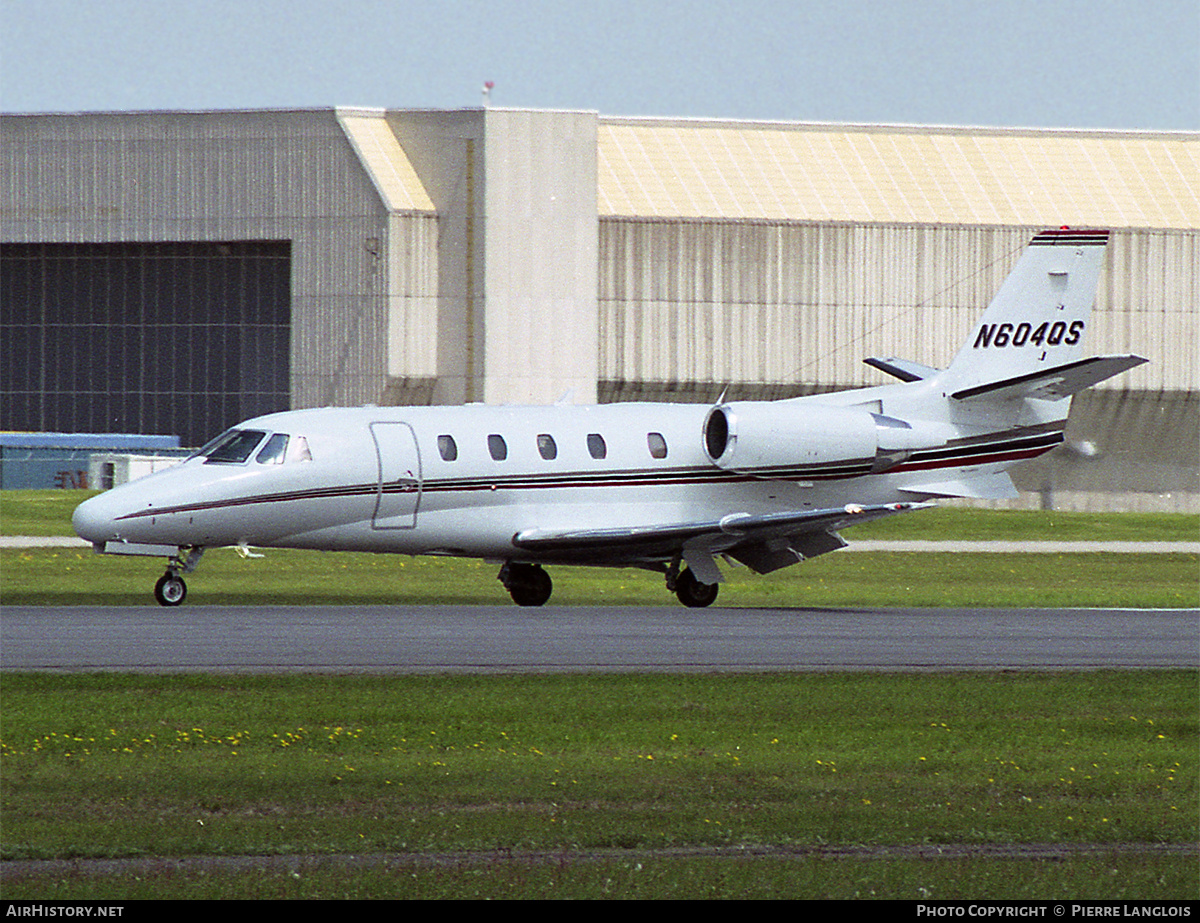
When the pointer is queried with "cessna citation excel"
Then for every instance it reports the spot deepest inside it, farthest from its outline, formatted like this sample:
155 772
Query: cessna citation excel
668 487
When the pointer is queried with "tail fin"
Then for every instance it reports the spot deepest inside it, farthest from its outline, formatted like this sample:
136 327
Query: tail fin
1038 319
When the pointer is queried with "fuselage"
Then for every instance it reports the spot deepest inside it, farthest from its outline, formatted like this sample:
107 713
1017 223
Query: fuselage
465 480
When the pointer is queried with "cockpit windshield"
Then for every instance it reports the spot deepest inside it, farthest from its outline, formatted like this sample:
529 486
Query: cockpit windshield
232 447
235 446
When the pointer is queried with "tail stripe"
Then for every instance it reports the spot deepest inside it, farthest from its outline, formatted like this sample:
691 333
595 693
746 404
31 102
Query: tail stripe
1069 237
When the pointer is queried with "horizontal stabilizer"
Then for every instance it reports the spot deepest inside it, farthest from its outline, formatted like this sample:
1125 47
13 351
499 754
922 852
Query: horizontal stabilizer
1055 383
982 487
904 369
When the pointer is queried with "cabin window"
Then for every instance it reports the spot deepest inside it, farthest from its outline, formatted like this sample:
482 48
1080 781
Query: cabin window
447 448
657 445
546 446
596 446
232 447
498 447
274 452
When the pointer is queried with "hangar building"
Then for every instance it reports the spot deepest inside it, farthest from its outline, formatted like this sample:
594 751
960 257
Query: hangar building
176 272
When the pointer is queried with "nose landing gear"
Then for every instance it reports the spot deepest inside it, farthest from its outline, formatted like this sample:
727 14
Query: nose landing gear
171 590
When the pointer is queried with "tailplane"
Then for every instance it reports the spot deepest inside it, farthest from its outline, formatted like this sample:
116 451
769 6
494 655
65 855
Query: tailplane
1052 384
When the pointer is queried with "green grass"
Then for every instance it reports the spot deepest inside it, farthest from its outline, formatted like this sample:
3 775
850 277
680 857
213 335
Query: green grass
77 576
121 765
639 877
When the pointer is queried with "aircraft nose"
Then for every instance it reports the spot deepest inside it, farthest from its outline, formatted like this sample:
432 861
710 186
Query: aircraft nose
93 520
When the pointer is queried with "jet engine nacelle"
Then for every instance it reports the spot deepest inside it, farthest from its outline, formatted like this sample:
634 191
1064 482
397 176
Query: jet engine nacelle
784 440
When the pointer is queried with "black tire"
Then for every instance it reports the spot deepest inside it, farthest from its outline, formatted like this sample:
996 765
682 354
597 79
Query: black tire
170 590
694 594
529 585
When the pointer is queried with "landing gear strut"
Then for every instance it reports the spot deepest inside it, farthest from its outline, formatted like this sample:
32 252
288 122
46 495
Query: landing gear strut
171 590
527 584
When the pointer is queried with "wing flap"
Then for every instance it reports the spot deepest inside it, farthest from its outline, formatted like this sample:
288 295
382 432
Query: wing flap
773 554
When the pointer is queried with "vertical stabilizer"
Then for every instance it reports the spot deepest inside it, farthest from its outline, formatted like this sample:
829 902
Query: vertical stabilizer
1038 319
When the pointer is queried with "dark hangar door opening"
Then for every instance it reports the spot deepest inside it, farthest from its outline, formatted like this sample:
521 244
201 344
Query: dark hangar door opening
168 338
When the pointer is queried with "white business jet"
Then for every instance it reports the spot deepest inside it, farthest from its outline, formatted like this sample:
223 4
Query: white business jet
668 487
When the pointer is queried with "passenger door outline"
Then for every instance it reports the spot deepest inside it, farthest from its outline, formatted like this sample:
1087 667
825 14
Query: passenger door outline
398 489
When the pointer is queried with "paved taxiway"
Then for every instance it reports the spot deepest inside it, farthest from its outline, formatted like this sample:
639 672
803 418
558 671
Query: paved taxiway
560 639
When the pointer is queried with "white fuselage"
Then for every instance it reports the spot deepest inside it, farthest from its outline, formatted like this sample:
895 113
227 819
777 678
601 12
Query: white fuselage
386 479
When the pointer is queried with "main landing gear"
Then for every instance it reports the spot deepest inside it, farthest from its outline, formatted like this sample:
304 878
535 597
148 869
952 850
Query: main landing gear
171 590
690 591
527 584
530 585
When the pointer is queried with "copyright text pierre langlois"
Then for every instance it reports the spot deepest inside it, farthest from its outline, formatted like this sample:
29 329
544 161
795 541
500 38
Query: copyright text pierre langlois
1057 909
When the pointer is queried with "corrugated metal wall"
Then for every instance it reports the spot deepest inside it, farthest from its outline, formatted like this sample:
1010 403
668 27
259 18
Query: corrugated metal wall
770 306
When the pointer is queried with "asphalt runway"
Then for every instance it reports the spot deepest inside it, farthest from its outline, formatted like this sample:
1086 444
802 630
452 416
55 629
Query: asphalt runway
429 639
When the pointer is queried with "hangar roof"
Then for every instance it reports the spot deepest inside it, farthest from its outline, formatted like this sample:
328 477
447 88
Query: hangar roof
389 167
656 168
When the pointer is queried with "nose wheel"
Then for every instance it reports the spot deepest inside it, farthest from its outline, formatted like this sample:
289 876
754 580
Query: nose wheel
170 590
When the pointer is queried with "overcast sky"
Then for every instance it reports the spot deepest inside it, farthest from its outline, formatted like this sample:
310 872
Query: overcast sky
1037 63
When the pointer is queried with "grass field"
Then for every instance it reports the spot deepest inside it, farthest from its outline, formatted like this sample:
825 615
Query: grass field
79 577
596 786
110 765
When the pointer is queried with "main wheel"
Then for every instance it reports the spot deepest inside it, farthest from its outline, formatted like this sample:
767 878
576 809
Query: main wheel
529 585
170 590
693 593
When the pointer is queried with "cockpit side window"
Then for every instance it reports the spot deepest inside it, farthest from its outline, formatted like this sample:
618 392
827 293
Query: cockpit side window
232 447
298 450
274 452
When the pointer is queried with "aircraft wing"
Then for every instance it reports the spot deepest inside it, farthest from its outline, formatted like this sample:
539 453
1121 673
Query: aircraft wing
763 542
